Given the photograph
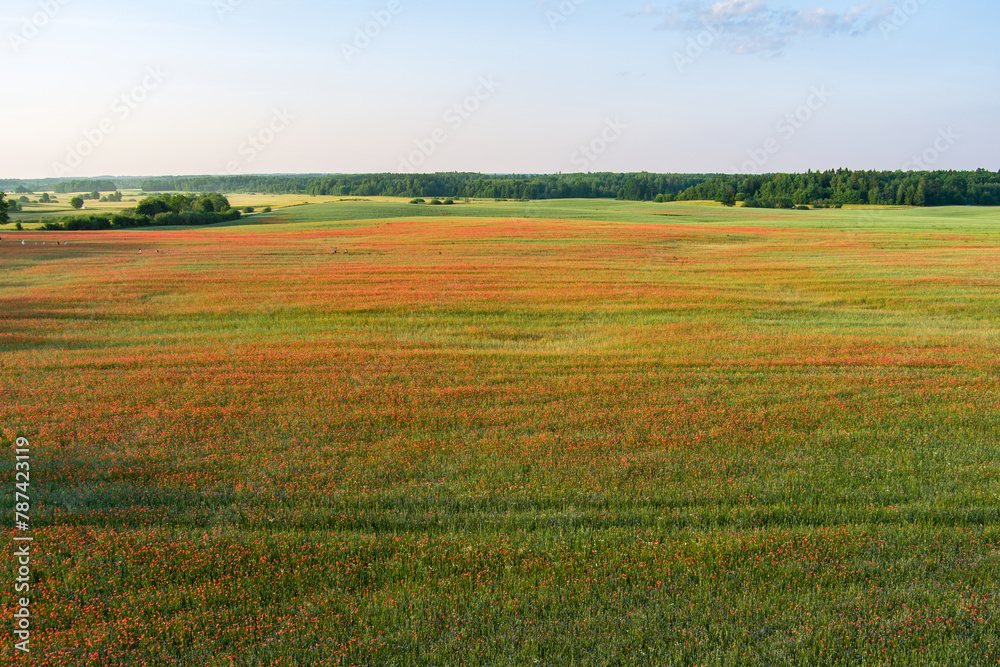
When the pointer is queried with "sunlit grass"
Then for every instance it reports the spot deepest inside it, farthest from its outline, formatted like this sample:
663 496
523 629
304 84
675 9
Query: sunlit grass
597 433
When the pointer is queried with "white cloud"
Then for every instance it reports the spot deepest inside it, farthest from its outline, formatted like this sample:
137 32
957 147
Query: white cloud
736 8
751 26
648 10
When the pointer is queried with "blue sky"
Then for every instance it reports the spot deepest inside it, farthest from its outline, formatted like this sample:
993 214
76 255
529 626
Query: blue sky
108 87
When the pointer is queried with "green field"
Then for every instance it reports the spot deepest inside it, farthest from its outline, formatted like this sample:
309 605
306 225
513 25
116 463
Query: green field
577 432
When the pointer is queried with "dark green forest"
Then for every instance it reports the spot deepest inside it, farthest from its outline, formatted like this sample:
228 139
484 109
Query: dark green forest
30 185
85 186
818 189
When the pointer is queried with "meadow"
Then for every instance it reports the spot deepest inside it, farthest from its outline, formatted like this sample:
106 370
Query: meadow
501 433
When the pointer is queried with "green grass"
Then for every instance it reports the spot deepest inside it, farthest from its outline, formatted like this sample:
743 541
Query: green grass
947 219
560 433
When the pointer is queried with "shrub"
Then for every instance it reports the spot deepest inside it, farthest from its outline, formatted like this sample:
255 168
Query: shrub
125 221
435 202
418 201
167 219
152 207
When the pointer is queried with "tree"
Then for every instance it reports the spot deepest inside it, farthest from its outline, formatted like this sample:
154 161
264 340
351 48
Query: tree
728 197
45 198
219 203
84 186
4 218
21 190
76 202
827 188
152 206
95 195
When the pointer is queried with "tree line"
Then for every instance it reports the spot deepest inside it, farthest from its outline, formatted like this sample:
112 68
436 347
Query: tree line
842 187
84 186
827 188
31 185
440 185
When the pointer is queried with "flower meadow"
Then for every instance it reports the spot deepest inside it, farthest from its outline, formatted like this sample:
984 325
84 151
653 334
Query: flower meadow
509 441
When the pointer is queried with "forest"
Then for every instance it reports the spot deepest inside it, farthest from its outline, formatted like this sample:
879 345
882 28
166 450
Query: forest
817 189
85 186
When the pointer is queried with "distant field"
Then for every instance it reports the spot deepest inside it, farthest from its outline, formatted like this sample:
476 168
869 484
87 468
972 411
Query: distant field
579 432
350 208
981 220
62 208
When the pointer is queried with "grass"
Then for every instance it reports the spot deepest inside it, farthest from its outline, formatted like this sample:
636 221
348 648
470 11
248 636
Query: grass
563 433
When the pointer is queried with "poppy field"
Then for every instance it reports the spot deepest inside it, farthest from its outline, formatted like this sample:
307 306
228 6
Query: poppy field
528 434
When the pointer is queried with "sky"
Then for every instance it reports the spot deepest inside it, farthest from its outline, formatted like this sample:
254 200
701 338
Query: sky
108 87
